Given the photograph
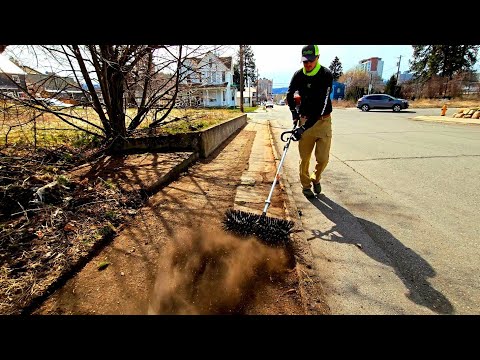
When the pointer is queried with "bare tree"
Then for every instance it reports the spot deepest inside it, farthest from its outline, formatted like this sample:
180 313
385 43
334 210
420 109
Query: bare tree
145 77
356 82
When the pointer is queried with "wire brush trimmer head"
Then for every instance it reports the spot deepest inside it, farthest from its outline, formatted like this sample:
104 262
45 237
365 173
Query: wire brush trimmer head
270 230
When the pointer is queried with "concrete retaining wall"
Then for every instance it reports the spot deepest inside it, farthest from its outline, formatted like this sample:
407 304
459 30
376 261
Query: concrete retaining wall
204 142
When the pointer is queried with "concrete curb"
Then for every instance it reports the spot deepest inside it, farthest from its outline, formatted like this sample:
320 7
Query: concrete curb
199 144
211 140
204 142
311 289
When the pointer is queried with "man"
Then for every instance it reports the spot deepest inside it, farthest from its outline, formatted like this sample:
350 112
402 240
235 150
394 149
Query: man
313 83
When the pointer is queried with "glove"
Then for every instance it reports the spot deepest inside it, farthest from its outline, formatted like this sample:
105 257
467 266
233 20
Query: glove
297 133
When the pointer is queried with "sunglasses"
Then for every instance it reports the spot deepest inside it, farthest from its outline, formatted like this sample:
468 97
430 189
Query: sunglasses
309 61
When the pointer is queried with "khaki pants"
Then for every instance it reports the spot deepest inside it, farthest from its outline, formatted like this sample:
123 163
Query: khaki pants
318 139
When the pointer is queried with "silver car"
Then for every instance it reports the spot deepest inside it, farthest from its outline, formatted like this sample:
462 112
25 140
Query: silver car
381 101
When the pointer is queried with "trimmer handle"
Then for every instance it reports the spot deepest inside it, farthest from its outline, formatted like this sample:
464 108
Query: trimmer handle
295 123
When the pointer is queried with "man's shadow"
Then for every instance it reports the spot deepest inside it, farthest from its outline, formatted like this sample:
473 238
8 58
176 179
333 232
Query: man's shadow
410 267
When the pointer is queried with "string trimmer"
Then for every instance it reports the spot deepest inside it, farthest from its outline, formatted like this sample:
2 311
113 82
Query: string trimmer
271 230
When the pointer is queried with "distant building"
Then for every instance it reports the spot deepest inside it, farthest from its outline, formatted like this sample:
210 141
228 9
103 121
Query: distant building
249 97
403 77
12 78
265 89
373 65
211 77
338 91
52 85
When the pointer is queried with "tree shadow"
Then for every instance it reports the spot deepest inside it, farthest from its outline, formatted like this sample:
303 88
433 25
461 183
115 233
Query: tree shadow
411 268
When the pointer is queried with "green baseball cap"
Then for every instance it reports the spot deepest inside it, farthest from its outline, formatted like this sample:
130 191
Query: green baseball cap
310 52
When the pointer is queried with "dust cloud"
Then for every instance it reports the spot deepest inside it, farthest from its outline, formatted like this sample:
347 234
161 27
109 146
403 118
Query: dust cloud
209 271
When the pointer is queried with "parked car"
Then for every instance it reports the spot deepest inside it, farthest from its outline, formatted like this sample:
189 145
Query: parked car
53 102
381 101
269 104
281 102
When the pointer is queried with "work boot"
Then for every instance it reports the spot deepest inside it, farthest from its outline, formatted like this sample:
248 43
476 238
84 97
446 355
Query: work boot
308 193
317 188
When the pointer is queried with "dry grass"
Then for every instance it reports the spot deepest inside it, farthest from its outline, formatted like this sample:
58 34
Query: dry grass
195 119
343 103
49 222
438 103
23 125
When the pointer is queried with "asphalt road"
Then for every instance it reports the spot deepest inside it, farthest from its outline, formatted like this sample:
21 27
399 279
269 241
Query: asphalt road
396 229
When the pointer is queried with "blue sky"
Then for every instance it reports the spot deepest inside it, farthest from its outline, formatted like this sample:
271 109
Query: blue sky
279 62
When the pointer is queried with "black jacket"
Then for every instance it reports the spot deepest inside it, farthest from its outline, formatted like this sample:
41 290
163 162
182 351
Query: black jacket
314 92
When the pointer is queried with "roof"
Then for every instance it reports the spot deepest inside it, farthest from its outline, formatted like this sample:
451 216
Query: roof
30 70
226 60
8 67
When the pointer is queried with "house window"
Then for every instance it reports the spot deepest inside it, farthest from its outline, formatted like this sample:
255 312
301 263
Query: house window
224 95
210 62
223 76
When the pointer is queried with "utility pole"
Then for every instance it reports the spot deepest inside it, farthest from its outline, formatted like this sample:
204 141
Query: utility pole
249 96
398 69
241 78
397 86
257 87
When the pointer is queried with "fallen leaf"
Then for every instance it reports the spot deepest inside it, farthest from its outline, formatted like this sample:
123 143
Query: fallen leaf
69 227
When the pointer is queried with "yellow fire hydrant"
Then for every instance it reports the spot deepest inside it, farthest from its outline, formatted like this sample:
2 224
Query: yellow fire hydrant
444 109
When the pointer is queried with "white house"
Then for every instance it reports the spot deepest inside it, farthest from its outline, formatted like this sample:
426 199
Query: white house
12 78
208 81
249 97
